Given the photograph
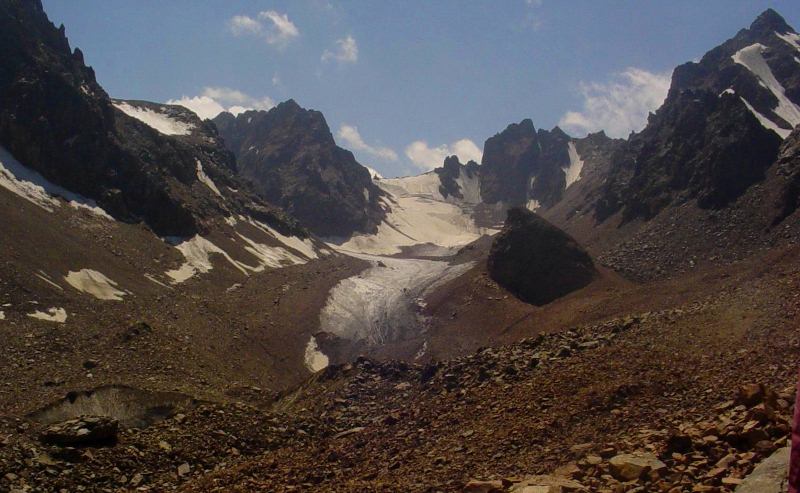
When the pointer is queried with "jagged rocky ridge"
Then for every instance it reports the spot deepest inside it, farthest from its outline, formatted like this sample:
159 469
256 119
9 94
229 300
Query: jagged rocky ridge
56 119
718 130
290 156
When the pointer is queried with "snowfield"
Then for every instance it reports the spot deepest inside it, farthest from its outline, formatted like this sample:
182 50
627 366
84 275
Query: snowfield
204 179
33 187
751 57
573 171
156 120
419 214
94 283
197 252
57 315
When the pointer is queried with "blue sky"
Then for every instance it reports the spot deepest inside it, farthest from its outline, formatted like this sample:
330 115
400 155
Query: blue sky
403 82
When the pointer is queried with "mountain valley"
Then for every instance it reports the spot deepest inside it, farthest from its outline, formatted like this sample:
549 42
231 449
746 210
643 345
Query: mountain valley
237 304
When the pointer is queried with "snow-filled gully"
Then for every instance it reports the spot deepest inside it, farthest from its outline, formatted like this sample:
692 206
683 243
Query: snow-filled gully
383 303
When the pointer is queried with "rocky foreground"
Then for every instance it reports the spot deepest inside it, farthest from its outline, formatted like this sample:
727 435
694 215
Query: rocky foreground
685 399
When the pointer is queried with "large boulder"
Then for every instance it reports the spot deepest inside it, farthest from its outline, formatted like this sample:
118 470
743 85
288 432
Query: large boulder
629 467
537 261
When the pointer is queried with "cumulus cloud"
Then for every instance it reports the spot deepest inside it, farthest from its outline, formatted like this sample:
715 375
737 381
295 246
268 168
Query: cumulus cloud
214 100
426 158
352 138
619 106
275 28
346 51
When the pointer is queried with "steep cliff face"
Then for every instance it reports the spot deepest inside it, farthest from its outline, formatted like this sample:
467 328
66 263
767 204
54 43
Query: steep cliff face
289 154
139 161
521 166
719 129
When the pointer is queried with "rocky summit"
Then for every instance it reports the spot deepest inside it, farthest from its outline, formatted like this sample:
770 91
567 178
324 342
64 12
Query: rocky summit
289 155
218 293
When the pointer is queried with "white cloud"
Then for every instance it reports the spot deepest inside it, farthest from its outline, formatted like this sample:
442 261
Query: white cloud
346 51
619 106
427 158
241 25
274 27
214 100
352 138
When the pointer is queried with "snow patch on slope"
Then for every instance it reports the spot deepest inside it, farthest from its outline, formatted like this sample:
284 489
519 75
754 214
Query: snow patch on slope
204 179
793 39
315 359
268 256
573 171
197 252
33 187
94 283
532 205
766 122
752 59
157 120
57 315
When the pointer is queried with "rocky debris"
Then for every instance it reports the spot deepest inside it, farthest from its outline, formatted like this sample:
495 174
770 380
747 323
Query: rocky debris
157 458
788 169
720 456
537 261
769 476
290 156
82 432
629 467
546 484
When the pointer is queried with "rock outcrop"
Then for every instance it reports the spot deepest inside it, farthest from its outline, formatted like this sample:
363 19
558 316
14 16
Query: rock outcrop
289 155
521 166
139 161
537 261
719 129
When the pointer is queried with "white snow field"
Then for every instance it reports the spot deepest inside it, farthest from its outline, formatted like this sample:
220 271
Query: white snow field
197 252
204 179
419 214
94 283
573 171
751 57
2 315
33 187
382 303
54 314
157 120
792 38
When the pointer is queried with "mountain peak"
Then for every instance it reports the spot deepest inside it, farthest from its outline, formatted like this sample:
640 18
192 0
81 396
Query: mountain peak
770 21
